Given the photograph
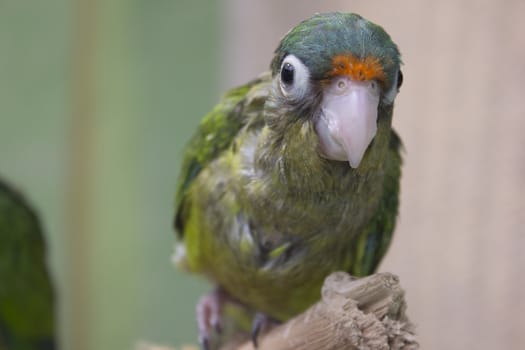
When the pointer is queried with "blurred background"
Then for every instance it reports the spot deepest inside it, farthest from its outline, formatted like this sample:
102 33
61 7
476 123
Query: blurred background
97 99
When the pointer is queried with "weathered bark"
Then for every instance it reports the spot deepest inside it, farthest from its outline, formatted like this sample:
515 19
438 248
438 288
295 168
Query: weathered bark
365 313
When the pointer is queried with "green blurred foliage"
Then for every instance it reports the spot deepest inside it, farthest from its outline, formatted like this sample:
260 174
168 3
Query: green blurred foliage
155 69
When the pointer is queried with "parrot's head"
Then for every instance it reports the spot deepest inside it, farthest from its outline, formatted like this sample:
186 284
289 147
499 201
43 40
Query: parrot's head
339 71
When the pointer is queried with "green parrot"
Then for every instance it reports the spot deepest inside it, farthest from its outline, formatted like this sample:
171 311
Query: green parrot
294 175
26 295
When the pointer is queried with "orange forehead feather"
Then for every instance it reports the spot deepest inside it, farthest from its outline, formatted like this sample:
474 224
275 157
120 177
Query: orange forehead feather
358 69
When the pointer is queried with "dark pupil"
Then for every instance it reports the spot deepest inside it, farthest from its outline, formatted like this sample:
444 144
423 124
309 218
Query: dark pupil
399 79
287 74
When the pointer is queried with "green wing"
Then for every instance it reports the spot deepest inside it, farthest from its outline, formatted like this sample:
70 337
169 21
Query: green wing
216 132
26 295
373 243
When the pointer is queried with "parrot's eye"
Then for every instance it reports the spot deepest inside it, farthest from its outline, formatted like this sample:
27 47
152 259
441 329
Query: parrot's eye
294 77
287 73
399 79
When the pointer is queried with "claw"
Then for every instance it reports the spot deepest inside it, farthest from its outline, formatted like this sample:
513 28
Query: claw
261 322
204 343
217 326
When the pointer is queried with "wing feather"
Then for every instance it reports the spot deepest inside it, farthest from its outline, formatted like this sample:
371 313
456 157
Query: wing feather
215 134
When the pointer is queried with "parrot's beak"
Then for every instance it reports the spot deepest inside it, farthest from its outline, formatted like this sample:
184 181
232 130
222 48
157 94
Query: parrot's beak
348 120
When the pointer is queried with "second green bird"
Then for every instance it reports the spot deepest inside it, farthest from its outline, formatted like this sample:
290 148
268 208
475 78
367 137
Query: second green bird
296 174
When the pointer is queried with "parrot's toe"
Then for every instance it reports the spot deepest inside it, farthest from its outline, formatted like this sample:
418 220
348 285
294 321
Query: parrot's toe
204 343
209 313
261 323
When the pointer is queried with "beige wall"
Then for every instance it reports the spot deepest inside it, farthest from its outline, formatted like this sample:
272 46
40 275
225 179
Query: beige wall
461 235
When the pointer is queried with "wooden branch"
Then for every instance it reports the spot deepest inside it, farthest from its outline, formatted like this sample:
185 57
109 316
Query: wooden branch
365 313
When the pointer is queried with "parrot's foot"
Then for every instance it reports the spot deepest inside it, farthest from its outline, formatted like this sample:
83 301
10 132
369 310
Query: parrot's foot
209 313
261 323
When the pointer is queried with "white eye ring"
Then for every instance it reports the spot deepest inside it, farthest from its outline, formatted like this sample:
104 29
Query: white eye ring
389 96
301 78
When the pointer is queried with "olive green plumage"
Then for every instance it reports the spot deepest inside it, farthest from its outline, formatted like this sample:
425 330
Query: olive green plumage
26 296
259 210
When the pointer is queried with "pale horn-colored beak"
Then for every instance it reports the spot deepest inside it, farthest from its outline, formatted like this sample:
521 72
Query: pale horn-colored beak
348 121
